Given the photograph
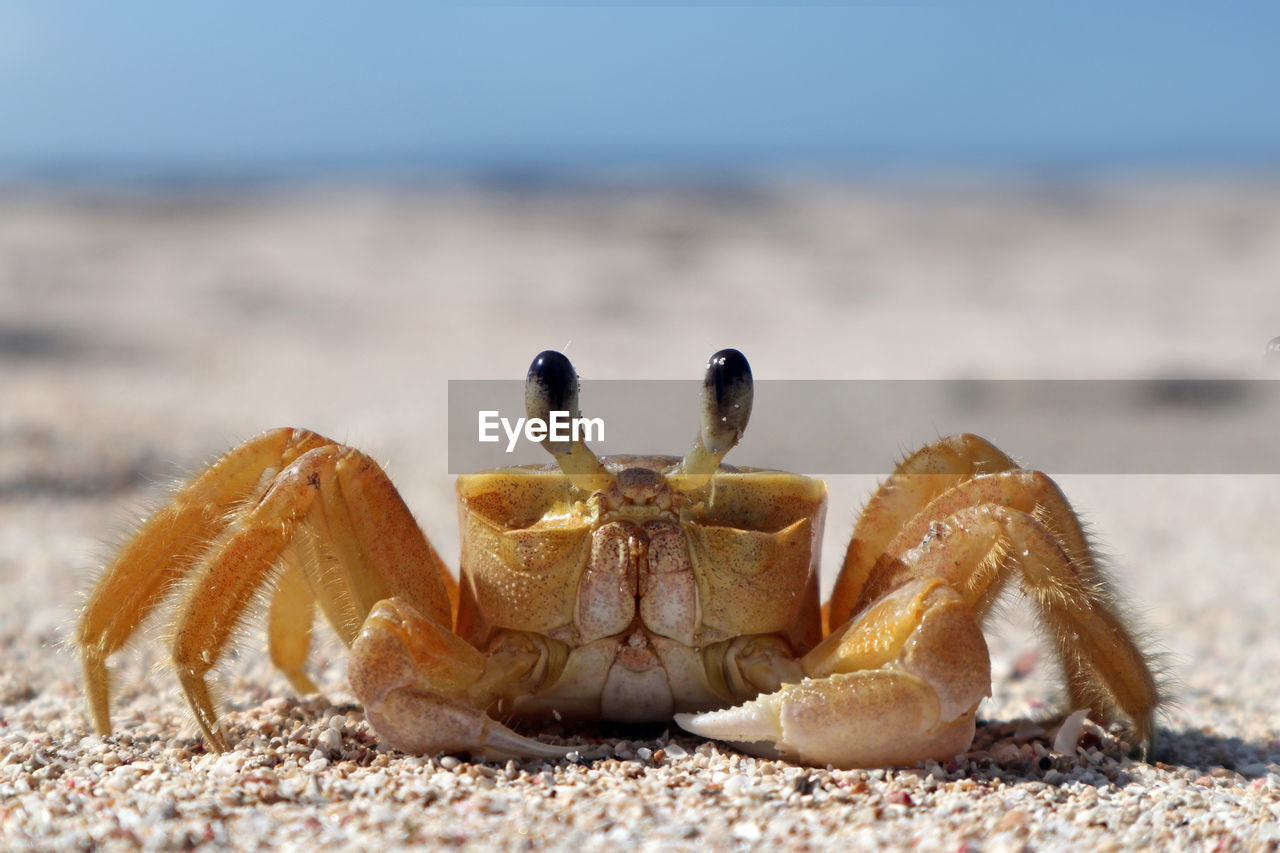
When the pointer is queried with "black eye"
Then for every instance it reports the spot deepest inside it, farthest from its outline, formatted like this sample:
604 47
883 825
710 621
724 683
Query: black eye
728 377
551 386
727 393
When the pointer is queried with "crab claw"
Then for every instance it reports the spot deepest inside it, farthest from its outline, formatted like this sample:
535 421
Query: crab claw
900 684
421 723
420 684
845 720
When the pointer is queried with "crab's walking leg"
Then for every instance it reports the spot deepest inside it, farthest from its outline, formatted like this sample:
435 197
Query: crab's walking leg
425 689
944 566
167 547
1021 520
898 684
293 610
1103 666
914 483
378 551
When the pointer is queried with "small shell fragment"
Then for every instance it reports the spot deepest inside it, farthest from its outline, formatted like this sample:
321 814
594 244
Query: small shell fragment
1068 736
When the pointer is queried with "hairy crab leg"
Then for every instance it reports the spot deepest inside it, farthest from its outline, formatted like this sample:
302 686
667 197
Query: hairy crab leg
914 483
957 474
334 486
899 684
977 548
167 547
1033 526
925 595
289 621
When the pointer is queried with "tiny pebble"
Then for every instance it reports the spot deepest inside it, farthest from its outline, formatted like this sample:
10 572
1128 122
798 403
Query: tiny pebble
898 797
1012 819
331 740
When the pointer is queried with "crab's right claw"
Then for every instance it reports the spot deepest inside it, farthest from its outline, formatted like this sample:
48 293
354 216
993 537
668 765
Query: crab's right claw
900 684
425 689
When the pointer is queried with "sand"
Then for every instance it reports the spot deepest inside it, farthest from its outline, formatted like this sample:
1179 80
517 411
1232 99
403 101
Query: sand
142 333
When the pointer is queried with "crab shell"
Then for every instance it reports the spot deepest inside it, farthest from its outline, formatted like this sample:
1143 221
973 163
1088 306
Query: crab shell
641 590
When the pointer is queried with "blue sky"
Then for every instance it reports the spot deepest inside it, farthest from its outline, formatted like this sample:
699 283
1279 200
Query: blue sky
280 87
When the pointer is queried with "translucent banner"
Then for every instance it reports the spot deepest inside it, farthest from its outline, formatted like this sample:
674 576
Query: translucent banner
823 427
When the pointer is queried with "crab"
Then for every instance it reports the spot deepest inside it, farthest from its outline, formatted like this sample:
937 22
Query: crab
629 588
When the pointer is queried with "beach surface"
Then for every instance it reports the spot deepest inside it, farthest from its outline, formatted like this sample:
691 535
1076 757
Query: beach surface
143 333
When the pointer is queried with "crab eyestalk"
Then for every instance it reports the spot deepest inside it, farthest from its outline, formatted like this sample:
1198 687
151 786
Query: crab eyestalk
727 392
552 386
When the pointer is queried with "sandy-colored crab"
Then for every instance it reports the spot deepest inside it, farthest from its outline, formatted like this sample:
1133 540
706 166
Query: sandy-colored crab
628 588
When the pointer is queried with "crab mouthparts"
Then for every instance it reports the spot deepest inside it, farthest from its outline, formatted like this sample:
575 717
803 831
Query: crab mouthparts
638 487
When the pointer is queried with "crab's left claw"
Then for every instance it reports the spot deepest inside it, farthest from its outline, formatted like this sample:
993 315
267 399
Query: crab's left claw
899 684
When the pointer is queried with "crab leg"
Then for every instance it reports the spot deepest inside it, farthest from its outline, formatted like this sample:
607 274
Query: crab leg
1024 520
289 620
1104 669
917 480
378 547
899 684
166 548
1040 532
915 646
425 689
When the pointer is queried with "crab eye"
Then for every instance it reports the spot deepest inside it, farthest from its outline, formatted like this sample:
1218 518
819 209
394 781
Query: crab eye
727 392
551 386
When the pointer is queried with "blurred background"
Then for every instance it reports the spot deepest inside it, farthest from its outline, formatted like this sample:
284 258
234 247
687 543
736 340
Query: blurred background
533 94
218 218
